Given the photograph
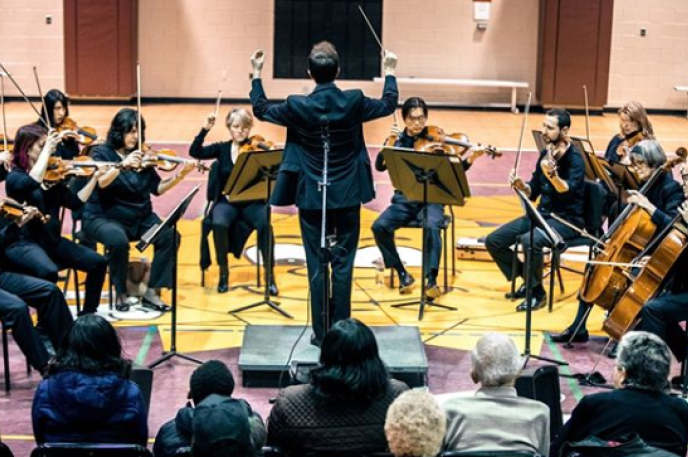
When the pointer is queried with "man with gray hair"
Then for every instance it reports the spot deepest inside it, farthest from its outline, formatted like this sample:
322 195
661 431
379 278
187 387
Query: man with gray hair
495 418
638 405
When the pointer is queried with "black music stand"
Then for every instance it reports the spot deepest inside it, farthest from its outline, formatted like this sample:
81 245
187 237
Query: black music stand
171 221
251 179
537 222
426 178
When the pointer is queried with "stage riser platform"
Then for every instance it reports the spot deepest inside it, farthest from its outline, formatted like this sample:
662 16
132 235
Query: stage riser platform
265 354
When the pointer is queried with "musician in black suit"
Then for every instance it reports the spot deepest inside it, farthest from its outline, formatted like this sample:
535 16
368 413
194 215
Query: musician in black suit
349 174
225 214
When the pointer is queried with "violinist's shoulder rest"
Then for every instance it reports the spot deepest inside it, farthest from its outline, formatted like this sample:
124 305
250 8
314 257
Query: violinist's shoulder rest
513 85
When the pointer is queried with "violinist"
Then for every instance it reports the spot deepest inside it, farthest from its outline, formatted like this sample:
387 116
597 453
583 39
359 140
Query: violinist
41 251
225 214
634 127
18 292
661 203
558 182
120 211
401 211
57 107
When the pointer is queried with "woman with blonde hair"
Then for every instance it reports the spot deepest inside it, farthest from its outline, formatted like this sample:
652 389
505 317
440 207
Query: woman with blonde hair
224 215
634 126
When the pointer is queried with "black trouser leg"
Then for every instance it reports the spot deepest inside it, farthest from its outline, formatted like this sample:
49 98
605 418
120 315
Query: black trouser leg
15 314
53 314
71 255
31 259
434 239
114 237
163 253
662 315
224 216
392 218
499 242
255 215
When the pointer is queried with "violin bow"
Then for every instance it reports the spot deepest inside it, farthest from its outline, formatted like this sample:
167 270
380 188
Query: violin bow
217 103
4 116
523 131
587 113
379 42
40 92
138 106
9 75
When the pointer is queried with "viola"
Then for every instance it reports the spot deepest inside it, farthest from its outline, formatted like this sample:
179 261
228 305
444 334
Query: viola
82 167
604 283
433 140
83 135
256 143
166 160
14 210
630 140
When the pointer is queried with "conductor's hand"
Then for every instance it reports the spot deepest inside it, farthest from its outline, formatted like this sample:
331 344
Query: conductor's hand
209 121
257 61
389 62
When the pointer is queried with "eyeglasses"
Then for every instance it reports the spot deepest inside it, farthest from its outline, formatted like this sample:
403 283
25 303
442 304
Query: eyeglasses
417 119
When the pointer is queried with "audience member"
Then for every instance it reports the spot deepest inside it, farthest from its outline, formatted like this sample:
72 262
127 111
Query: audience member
87 396
495 418
344 406
221 428
637 405
415 425
213 377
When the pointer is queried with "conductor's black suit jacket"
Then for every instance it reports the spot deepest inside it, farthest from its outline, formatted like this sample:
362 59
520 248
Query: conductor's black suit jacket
350 175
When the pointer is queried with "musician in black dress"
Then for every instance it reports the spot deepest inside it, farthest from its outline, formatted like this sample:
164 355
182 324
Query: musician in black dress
661 202
401 211
41 251
224 214
558 181
120 211
57 106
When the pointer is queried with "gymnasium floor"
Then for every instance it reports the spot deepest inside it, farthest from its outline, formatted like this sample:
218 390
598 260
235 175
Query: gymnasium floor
207 331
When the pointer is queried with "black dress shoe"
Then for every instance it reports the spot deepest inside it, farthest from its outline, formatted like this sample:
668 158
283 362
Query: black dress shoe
406 282
432 290
614 351
273 290
536 302
677 382
315 341
223 283
518 293
564 337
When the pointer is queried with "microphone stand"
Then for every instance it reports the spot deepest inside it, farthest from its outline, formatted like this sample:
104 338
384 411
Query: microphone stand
324 242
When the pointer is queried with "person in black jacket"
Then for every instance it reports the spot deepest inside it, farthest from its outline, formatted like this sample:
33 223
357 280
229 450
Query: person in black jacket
558 181
41 251
327 111
57 106
637 405
18 291
224 214
661 202
211 378
401 211
121 211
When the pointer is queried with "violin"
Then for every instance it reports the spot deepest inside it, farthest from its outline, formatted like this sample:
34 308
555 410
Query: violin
166 160
630 140
433 140
553 154
83 135
256 143
82 167
628 236
12 209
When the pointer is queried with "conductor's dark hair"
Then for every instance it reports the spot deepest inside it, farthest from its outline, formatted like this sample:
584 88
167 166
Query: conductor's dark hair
91 345
563 117
350 365
411 103
123 123
51 98
323 62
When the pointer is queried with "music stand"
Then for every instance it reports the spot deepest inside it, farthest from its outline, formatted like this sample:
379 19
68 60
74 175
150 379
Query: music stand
426 178
171 221
537 222
251 179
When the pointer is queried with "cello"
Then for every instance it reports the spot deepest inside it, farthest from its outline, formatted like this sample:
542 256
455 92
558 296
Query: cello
605 281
